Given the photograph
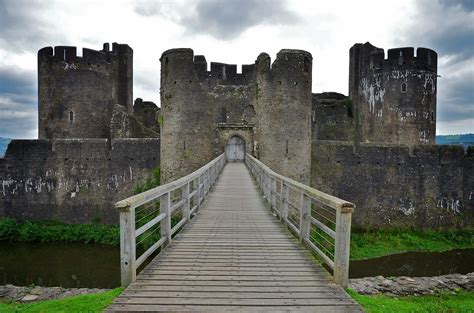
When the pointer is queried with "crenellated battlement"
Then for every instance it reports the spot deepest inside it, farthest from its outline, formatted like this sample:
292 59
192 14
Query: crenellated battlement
70 87
68 54
372 59
226 74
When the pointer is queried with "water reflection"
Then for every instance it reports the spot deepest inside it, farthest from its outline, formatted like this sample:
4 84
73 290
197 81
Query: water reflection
60 264
415 264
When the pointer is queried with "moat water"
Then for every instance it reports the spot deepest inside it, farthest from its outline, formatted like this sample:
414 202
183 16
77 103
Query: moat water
415 264
97 266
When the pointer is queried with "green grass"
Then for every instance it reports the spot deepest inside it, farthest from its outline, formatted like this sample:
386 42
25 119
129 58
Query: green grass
49 231
458 302
84 303
374 243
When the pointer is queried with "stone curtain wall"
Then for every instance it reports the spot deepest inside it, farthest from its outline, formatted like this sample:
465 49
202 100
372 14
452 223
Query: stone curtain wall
73 180
393 186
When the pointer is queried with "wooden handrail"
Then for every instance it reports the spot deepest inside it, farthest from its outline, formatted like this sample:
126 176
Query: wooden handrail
203 178
309 199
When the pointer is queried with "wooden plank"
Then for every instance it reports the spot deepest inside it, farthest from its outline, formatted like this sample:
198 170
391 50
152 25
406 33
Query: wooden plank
231 295
323 288
237 277
229 308
233 283
243 302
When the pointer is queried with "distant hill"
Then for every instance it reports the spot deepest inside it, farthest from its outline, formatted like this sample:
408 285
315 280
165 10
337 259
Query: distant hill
3 145
462 139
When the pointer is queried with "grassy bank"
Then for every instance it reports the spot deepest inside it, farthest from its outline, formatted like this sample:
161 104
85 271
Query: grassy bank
85 303
364 243
374 243
49 231
458 302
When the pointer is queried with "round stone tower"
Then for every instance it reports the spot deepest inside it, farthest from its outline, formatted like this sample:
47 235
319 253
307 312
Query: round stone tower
187 129
283 97
394 99
76 95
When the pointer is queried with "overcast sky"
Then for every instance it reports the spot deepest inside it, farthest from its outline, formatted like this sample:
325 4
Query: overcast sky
236 32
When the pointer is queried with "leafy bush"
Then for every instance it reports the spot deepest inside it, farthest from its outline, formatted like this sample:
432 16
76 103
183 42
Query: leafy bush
48 231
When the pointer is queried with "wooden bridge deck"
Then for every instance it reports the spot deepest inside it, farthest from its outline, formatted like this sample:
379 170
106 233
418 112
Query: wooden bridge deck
235 256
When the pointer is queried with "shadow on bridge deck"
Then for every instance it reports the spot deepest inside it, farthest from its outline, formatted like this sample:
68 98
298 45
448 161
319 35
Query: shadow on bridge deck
234 256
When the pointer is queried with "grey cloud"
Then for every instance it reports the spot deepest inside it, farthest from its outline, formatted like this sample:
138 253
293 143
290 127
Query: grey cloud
456 96
448 28
224 20
18 102
18 116
24 25
148 7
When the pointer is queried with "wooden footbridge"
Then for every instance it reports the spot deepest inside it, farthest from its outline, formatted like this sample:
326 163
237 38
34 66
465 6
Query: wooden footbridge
248 247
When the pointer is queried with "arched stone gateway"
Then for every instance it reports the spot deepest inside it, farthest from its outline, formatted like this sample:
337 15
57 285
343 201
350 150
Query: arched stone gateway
235 149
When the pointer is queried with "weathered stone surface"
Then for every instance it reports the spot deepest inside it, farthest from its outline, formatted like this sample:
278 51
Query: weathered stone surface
28 294
394 99
76 95
202 109
332 117
412 286
393 185
73 180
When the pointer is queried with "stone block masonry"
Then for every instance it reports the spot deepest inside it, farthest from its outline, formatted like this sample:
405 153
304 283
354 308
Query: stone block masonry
73 180
77 95
397 186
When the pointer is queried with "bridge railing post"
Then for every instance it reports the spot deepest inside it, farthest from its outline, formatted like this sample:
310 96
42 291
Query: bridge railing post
187 204
305 213
208 181
273 185
342 246
127 245
200 193
266 186
165 224
284 202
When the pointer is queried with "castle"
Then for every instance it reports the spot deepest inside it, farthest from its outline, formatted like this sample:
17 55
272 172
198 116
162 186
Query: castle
374 147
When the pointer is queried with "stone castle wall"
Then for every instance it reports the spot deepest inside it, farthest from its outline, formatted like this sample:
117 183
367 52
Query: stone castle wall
398 186
73 180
